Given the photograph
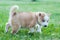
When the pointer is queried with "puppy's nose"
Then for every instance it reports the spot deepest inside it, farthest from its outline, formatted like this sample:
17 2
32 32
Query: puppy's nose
45 25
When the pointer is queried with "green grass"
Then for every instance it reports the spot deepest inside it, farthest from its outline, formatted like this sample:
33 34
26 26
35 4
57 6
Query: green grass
52 32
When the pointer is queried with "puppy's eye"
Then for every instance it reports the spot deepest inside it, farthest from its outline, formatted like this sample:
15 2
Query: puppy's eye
43 20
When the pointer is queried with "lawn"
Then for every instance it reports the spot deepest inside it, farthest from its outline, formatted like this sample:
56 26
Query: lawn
52 32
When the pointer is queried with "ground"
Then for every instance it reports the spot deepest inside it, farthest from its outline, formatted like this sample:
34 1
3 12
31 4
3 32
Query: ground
52 32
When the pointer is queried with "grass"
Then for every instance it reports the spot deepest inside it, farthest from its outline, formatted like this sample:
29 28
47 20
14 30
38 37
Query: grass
52 32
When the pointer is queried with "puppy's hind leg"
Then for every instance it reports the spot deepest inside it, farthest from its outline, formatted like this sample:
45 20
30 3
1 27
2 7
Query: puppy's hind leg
7 26
15 28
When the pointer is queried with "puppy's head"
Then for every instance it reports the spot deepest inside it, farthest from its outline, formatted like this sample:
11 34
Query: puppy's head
43 19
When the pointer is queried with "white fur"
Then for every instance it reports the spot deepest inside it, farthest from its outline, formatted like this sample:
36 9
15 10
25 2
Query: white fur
31 30
38 28
46 18
7 26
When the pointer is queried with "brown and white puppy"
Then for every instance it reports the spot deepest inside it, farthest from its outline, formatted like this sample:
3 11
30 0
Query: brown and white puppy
26 19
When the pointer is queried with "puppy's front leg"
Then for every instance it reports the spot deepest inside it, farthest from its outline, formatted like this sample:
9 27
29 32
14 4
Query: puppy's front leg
31 30
38 28
31 26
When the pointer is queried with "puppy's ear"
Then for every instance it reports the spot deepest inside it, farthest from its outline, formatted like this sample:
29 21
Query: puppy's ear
39 14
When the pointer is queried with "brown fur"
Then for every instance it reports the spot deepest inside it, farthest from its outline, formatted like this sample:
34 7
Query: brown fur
42 16
23 19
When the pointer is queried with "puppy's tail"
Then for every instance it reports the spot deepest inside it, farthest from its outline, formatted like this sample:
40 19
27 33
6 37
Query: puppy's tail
13 9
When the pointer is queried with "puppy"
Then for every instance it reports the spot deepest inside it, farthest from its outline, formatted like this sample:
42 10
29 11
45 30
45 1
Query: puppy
30 20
